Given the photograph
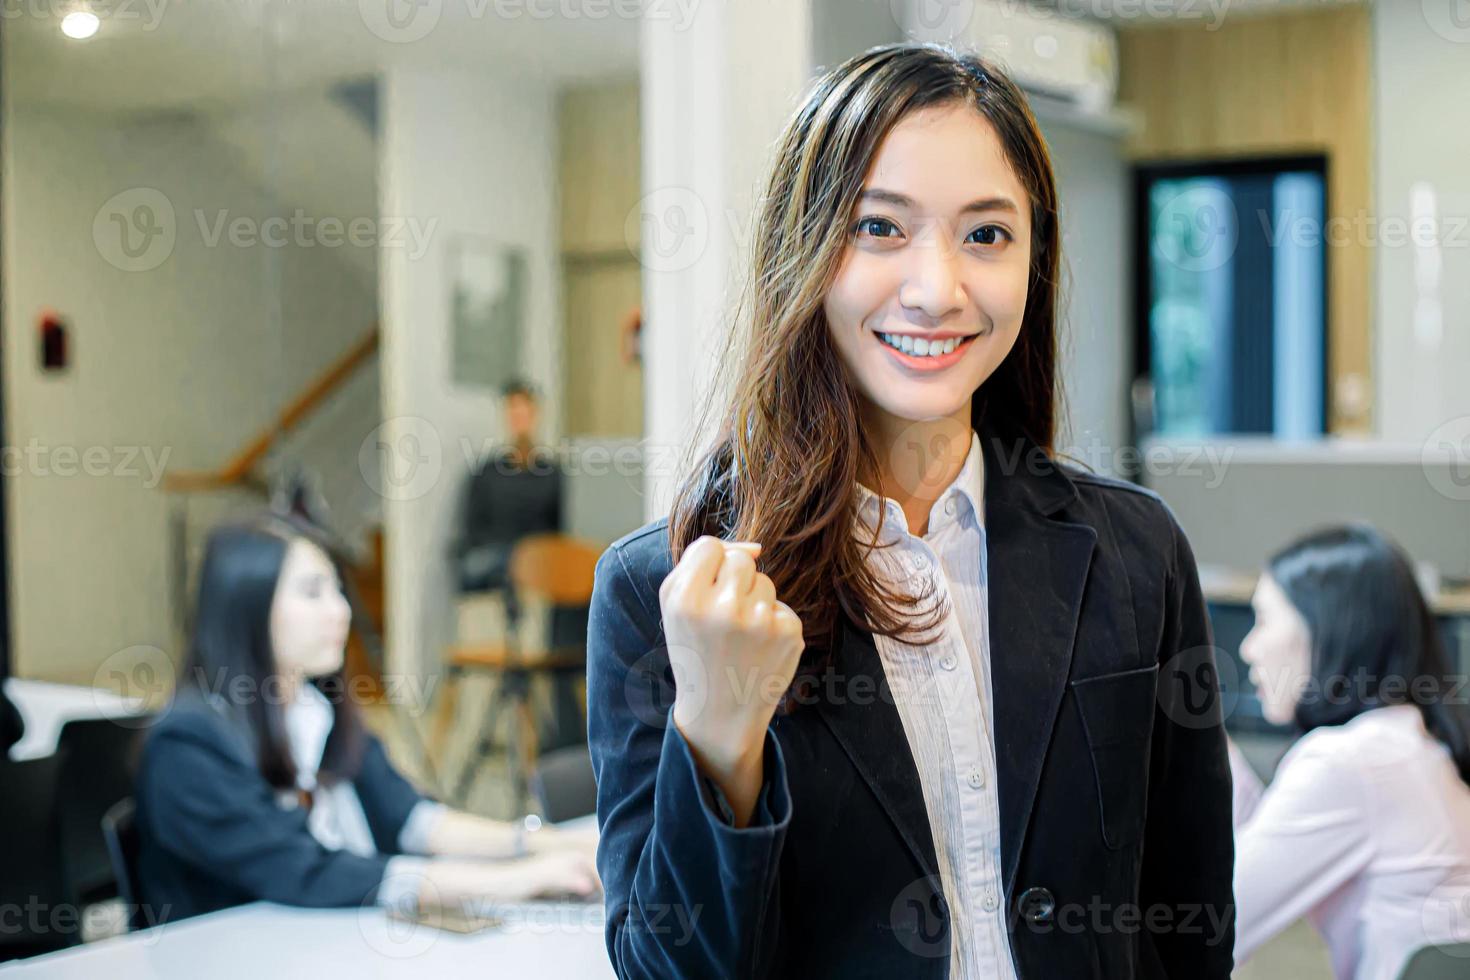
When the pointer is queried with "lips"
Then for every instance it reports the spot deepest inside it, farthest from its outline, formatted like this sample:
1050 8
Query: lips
926 362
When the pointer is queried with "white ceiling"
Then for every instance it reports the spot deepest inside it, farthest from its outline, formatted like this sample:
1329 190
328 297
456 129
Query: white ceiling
189 54
157 54
1208 13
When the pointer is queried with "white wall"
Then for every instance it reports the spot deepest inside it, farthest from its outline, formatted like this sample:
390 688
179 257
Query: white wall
185 361
1422 125
1096 336
709 127
475 153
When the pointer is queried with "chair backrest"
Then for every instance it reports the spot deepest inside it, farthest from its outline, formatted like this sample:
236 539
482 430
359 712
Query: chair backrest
120 831
31 856
1448 962
554 568
101 760
564 784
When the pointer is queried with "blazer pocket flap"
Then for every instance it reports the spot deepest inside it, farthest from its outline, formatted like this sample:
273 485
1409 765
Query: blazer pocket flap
1117 712
1117 708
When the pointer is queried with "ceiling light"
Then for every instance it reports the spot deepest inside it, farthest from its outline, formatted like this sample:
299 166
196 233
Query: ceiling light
80 24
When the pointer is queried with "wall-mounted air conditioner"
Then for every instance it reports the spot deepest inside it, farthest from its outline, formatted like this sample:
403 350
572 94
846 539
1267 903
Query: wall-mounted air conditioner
1055 54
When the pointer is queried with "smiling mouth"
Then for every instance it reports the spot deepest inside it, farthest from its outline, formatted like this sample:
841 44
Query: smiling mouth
922 347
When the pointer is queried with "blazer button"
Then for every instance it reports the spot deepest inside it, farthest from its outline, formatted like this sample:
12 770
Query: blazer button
1037 905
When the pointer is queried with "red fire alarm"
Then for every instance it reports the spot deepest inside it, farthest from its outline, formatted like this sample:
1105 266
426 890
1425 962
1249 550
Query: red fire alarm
53 341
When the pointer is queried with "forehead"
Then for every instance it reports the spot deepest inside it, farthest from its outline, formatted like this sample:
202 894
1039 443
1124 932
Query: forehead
944 157
1268 593
305 557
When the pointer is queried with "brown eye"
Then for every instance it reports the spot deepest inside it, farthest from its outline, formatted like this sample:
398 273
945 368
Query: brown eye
877 228
989 235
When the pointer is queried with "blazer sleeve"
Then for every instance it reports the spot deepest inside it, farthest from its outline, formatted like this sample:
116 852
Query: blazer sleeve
209 808
387 798
688 894
1189 849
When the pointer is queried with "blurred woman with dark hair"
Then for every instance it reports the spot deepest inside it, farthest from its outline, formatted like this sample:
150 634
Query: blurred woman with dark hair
1365 828
260 781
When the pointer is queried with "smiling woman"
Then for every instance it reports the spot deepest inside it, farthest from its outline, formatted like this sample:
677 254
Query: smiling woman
880 760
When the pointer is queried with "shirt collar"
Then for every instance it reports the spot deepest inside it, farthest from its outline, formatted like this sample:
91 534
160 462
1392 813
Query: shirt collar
967 491
309 719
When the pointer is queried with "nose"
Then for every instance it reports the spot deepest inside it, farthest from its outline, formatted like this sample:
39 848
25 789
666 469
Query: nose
933 283
342 611
1247 648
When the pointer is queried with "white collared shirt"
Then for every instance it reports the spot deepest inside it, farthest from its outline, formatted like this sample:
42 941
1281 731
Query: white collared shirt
337 819
943 694
1365 831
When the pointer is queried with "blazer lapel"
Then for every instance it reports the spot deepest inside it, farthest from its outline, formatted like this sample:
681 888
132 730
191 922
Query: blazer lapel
1037 567
871 733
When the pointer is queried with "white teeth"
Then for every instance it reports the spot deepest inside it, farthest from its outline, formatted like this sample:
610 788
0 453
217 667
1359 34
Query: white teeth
918 346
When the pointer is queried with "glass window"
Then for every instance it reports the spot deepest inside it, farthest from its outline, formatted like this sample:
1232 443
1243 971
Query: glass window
1232 337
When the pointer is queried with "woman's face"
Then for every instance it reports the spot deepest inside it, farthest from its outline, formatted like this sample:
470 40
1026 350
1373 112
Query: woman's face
1279 651
939 254
309 614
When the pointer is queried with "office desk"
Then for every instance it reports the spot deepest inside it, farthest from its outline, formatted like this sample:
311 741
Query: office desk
46 707
548 941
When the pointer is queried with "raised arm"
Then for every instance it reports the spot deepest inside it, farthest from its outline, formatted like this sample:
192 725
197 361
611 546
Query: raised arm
691 881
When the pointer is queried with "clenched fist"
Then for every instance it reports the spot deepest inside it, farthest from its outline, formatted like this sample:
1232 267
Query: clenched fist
734 648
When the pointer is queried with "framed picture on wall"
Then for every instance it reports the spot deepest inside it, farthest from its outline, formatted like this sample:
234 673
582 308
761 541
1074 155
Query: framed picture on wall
487 308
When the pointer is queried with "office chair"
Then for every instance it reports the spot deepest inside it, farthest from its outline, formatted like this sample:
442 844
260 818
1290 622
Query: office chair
1448 962
120 831
34 873
101 759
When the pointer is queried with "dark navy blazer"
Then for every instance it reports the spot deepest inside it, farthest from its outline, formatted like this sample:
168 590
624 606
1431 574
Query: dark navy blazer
1113 780
213 835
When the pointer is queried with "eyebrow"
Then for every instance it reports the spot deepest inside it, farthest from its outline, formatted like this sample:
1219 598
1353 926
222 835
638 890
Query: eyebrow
904 201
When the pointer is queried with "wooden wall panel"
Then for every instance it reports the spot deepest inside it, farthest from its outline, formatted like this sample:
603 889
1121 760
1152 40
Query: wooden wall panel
1271 84
600 182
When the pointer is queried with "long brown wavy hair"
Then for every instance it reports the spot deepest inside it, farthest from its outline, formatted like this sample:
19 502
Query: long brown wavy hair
789 449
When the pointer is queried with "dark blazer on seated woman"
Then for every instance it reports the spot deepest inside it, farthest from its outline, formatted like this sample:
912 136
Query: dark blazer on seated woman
215 834
12 725
1114 789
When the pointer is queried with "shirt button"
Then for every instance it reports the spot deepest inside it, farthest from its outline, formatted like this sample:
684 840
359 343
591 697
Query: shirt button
949 506
977 777
990 902
949 661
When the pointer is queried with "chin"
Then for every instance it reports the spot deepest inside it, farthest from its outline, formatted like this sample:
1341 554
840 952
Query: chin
328 665
922 404
1278 715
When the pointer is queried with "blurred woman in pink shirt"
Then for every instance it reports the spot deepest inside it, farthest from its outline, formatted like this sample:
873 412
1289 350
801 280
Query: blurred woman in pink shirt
1365 828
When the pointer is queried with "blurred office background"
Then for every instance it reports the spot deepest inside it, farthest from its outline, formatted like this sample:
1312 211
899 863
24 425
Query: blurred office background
292 251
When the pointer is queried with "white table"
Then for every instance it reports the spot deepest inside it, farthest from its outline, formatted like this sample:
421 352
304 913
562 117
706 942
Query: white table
548 941
45 707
